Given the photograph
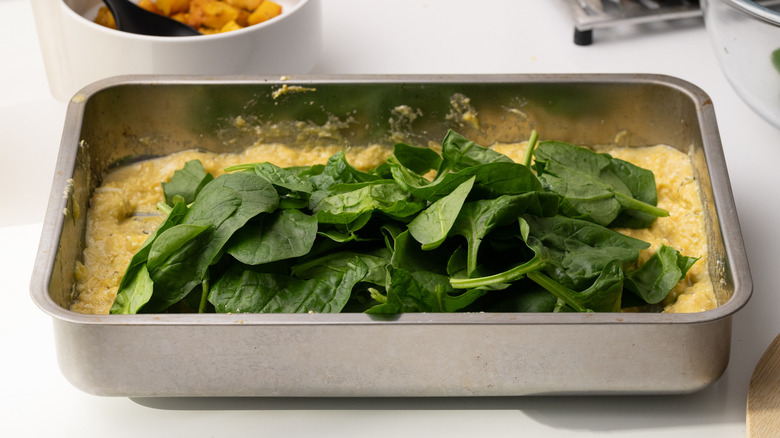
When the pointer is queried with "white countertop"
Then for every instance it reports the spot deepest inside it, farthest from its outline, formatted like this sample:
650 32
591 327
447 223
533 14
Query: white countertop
400 36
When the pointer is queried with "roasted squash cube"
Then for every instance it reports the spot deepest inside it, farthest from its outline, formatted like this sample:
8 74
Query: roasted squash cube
249 5
105 18
264 12
211 13
171 7
151 6
231 25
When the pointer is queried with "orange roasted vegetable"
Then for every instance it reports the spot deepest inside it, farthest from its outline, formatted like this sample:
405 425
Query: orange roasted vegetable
264 12
207 16
104 18
151 6
212 14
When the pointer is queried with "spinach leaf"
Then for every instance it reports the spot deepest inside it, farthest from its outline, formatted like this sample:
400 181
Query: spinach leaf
186 182
134 291
242 290
292 183
224 205
491 180
478 218
175 216
405 177
655 278
419 160
586 265
351 201
376 263
578 261
408 254
596 187
338 171
275 236
232 199
523 296
432 225
577 251
641 183
459 153
422 291
495 173
169 264
286 178
171 242
602 296
532 300
344 233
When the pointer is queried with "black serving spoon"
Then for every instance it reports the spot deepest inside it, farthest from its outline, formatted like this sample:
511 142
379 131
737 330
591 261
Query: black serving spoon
132 18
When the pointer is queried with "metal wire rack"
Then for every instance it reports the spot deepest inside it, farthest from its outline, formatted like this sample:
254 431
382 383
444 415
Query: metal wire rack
595 14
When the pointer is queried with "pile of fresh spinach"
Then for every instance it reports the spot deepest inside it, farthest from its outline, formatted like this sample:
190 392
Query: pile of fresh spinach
479 232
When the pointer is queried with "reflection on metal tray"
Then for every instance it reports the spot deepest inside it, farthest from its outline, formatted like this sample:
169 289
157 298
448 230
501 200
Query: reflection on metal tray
595 14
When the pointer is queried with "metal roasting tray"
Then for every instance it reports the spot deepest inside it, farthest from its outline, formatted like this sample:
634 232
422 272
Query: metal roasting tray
467 354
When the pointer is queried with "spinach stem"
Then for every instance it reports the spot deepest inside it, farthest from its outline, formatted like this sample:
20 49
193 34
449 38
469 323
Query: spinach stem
529 150
555 288
376 295
518 271
165 208
240 167
204 293
634 204
471 258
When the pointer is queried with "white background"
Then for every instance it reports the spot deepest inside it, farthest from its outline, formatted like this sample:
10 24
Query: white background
399 36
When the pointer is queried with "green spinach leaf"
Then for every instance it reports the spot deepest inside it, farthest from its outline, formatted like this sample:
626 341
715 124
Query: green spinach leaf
577 251
285 178
419 160
242 290
578 261
186 182
655 278
349 202
422 291
491 180
459 153
280 235
432 225
478 218
169 264
134 291
376 263
223 206
596 187
602 296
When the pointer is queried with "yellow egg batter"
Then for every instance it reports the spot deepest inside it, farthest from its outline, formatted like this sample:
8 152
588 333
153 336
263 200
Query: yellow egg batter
123 213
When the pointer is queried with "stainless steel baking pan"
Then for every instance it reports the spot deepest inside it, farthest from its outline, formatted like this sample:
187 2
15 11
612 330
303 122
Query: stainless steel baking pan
478 354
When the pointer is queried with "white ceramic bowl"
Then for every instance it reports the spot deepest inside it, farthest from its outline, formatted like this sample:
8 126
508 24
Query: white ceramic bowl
746 38
77 51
